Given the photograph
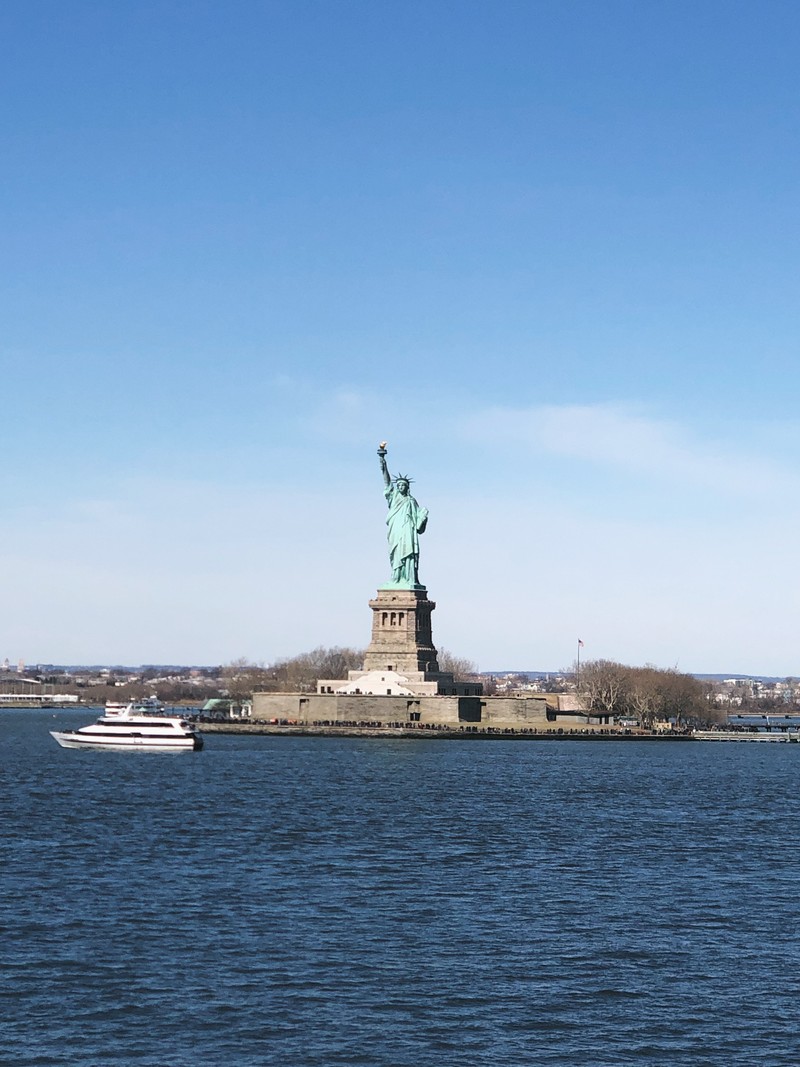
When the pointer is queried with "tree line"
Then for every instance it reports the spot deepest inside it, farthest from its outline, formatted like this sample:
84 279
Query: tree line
645 693
299 674
606 687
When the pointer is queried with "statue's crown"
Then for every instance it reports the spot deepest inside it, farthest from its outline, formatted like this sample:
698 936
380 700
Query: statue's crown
403 478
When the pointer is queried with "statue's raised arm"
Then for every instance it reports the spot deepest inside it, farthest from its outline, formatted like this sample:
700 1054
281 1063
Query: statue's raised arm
406 521
387 481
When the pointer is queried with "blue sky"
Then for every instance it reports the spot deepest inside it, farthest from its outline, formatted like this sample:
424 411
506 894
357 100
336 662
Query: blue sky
548 250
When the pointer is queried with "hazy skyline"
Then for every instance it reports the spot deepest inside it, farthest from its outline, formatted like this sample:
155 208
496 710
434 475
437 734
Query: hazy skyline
548 251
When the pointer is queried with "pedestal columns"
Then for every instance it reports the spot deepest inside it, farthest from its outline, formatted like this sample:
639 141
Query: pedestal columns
401 632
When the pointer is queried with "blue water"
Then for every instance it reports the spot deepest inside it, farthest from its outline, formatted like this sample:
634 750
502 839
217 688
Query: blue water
398 903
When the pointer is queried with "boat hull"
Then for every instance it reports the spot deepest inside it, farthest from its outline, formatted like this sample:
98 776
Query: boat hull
69 739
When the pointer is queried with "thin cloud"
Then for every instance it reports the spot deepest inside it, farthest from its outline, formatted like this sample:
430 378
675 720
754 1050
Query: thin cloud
619 439
616 437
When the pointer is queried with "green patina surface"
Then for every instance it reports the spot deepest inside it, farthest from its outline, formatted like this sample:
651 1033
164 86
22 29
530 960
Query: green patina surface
405 522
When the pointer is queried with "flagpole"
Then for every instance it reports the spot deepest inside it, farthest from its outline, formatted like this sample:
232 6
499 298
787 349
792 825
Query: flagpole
578 673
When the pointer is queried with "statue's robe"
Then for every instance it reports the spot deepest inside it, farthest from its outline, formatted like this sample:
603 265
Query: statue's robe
406 521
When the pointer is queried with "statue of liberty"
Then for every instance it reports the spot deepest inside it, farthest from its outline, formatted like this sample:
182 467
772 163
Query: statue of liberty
406 521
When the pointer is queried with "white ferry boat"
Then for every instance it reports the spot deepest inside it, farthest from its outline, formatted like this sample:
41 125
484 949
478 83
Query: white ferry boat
130 728
145 704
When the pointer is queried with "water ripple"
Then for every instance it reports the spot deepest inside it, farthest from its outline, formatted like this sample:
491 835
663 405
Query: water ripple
277 901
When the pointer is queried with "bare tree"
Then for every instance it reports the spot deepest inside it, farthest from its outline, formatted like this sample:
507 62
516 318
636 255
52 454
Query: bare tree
790 690
683 697
644 695
603 685
241 679
300 673
464 670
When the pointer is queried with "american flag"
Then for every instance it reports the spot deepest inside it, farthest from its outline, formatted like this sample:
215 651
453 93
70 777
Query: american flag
580 643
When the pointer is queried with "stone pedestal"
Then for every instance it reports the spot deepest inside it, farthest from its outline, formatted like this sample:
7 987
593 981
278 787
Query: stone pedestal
401 632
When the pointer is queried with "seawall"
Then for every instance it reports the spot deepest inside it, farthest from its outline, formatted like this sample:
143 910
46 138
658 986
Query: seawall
435 733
